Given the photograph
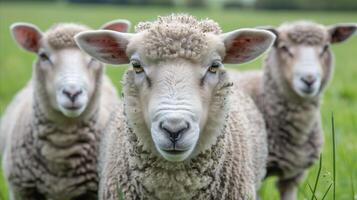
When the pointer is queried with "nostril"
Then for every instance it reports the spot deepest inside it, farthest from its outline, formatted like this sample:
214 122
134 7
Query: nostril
166 129
186 127
65 92
77 93
161 125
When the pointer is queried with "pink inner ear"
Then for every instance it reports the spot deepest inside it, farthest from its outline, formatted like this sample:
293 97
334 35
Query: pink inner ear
108 48
120 27
341 34
27 38
242 47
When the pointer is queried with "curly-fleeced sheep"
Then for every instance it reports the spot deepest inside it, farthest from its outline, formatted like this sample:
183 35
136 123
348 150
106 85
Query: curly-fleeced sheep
184 132
288 94
53 126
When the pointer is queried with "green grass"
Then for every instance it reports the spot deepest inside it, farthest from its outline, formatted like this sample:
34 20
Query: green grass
340 97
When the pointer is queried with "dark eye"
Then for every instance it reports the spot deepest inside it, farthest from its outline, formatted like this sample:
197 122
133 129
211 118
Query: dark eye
286 49
43 56
325 49
137 66
214 66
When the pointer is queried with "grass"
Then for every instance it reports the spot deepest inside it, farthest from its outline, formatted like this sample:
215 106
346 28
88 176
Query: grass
334 158
313 196
340 97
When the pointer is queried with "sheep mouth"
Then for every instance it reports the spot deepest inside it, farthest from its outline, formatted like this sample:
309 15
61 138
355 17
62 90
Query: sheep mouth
174 151
307 90
72 111
175 155
73 107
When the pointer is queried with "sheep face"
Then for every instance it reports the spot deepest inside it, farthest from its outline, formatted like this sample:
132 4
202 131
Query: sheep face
174 98
67 76
303 58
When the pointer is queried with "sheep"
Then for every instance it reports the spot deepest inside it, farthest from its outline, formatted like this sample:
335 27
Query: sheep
54 124
288 92
184 131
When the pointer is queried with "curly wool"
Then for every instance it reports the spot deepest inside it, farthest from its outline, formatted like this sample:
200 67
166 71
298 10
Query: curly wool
177 35
47 159
294 130
293 124
57 159
231 168
50 156
62 35
305 32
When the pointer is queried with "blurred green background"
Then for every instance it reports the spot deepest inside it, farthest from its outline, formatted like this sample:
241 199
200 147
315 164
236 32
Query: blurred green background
340 97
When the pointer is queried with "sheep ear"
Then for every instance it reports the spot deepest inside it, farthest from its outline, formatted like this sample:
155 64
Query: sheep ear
272 30
341 32
27 36
244 45
104 45
120 25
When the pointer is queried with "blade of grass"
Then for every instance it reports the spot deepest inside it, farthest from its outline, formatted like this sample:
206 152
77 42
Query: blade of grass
333 157
353 187
317 178
328 189
120 193
312 191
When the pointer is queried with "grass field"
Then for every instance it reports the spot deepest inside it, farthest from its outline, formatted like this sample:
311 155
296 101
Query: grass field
340 98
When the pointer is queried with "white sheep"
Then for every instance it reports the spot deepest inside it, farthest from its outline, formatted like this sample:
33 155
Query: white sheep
288 94
53 126
184 132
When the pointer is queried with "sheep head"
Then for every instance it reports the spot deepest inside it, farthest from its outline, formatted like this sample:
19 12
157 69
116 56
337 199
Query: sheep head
67 76
176 90
301 60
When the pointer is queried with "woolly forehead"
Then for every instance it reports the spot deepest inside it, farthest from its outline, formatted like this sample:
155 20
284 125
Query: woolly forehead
307 33
62 35
193 46
176 36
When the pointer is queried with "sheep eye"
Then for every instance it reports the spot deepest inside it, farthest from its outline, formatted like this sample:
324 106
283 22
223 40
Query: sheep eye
286 50
137 66
324 49
43 56
214 66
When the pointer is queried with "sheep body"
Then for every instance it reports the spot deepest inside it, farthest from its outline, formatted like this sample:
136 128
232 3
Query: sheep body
58 161
293 121
14 109
54 158
185 130
231 169
294 129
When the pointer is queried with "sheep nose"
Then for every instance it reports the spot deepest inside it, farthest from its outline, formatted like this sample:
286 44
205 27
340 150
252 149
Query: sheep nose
174 128
308 80
72 92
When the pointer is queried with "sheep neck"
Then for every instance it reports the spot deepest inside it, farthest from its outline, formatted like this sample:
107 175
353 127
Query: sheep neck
57 143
